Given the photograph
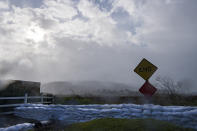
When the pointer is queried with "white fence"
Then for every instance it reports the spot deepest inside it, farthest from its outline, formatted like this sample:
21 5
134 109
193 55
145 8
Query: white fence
41 100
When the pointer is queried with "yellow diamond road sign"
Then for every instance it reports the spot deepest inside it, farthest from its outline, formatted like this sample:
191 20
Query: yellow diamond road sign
145 69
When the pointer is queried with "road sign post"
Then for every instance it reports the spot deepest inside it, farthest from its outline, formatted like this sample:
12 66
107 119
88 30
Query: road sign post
147 89
146 69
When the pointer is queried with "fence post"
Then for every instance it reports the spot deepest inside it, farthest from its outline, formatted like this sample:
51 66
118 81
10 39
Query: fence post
42 99
53 99
25 99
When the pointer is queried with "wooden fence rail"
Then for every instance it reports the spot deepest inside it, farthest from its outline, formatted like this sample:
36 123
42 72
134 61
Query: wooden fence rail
41 100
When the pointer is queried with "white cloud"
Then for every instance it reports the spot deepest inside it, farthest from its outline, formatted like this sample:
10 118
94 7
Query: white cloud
71 40
63 10
4 5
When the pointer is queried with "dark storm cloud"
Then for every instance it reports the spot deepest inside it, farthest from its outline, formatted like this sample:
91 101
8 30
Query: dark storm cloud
6 67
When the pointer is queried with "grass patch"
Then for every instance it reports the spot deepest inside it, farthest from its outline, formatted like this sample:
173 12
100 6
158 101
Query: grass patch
111 124
77 100
156 99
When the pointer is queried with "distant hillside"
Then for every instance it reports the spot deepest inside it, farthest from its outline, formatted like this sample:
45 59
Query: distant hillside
88 88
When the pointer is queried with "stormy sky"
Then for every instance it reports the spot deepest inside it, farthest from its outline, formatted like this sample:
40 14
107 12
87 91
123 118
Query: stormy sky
100 40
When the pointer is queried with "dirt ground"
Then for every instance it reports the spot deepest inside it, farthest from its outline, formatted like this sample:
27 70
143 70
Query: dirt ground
10 120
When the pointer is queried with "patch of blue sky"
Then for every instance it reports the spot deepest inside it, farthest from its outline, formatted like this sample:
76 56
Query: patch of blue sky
125 21
103 5
80 16
27 3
